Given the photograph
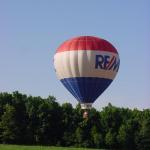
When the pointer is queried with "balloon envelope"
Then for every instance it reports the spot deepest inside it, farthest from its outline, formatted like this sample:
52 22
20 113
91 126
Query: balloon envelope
86 66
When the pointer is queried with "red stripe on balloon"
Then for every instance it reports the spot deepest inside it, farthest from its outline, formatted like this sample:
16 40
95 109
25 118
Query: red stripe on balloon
110 63
86 43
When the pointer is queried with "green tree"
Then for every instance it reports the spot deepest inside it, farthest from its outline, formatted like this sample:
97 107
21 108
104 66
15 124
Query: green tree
111 118
143 141
45 124
18 101
79 137
126 135
8 128
32 106
97 138
5 98
69 124
35 120
55 127
110 139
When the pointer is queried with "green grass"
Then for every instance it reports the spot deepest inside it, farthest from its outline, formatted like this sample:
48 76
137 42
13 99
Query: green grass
18 147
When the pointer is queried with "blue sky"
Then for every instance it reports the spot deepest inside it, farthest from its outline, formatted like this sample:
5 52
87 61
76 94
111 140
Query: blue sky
31 30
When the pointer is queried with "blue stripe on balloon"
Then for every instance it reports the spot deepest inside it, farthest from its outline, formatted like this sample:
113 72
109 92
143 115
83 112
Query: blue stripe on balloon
86 89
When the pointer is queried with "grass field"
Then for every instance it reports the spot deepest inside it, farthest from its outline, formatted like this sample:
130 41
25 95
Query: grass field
18 147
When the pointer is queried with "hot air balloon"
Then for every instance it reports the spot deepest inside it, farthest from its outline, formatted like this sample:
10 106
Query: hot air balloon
86 66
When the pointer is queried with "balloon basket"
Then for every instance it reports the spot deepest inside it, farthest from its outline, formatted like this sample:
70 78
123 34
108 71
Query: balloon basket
85 114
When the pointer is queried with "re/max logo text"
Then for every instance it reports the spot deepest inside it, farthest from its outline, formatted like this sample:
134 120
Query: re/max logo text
107 62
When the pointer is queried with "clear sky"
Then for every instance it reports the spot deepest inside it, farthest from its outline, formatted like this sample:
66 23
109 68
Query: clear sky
31 30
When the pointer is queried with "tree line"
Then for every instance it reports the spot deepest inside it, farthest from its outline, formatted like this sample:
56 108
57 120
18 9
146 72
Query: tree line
33 120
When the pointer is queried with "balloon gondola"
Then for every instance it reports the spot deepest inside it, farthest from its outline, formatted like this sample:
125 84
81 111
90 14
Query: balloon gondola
86 66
